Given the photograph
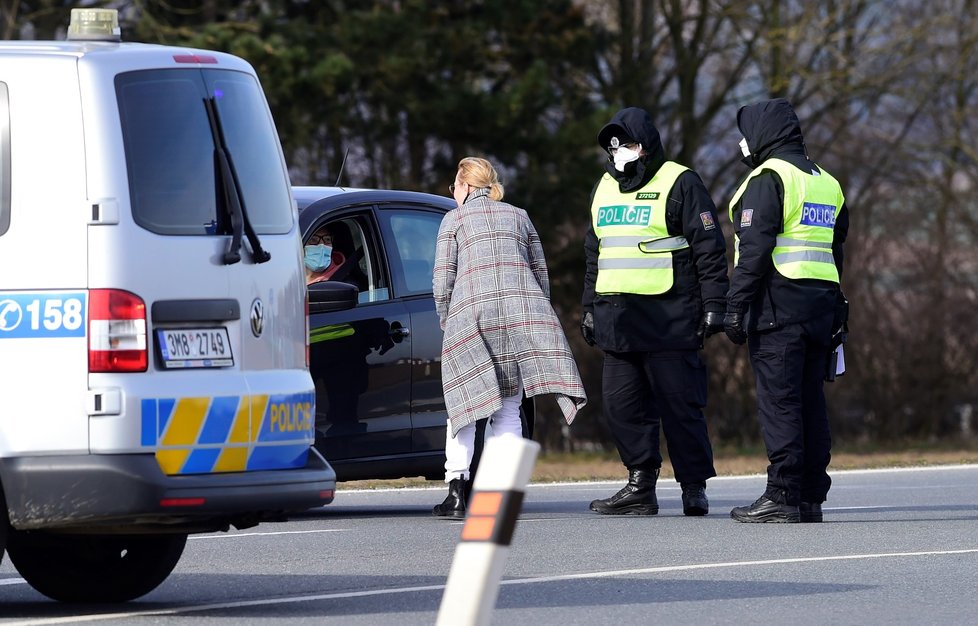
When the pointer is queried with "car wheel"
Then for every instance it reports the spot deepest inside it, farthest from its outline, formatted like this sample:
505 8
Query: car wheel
94 568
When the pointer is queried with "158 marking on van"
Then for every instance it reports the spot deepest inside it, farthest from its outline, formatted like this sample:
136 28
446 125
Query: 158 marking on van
34 315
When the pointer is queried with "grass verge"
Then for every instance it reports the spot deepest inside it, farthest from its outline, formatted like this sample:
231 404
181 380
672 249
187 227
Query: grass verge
590 467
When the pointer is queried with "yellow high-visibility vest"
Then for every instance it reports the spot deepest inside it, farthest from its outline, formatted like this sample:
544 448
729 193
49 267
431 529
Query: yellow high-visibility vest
811 205
635 252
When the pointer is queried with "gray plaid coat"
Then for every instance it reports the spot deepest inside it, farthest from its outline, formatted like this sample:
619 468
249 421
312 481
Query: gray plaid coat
492 293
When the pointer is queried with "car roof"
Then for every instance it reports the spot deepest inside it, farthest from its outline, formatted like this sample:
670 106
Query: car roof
307 195
313 201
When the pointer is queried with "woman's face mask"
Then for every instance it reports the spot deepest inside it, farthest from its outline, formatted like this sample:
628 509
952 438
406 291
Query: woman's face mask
318 257
625 155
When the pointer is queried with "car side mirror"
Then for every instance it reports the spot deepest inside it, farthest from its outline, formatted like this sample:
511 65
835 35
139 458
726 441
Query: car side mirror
329 296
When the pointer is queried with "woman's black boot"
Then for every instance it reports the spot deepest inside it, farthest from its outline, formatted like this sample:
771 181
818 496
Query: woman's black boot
454 504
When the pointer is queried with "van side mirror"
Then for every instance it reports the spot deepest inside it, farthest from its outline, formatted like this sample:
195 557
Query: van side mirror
329 296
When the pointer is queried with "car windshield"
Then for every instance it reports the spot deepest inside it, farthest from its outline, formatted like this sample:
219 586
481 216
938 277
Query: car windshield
169 147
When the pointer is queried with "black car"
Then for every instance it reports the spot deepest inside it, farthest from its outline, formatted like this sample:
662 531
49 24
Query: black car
375 341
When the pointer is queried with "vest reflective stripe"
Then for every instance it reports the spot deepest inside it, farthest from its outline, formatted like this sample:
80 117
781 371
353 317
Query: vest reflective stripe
634 264
621 242
645 244
811 206
804 255
664 244
785 241
635 247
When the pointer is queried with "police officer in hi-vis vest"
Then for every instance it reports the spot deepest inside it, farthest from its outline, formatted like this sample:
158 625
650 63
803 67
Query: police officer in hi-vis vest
790 221
654 288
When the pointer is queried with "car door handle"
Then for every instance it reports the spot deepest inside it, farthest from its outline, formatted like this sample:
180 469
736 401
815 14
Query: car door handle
398 332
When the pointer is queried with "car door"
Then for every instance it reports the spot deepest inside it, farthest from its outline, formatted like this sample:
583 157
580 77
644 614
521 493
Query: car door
410 232
360 358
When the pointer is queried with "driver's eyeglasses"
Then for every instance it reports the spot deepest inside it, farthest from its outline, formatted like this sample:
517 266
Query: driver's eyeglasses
320 239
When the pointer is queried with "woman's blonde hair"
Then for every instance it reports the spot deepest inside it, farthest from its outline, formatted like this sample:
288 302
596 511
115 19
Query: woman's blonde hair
480 174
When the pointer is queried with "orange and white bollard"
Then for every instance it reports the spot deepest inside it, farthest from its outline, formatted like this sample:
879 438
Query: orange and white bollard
497 498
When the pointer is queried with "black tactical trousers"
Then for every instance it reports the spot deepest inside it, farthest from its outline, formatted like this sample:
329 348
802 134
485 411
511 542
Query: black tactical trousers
789 367
642 390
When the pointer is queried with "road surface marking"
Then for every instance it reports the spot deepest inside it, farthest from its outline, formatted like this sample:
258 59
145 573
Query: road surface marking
515 581
279 532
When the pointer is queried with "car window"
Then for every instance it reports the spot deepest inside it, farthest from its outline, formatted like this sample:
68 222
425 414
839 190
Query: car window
170 151
414 234
355 256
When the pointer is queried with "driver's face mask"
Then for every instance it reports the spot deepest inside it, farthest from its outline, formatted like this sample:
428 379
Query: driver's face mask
318 257
743 147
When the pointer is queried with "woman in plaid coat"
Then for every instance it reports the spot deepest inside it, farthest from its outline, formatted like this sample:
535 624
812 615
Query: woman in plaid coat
502 337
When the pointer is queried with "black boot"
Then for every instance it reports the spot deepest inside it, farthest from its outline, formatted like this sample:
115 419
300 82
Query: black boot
635 498
694 499
766 510
454 504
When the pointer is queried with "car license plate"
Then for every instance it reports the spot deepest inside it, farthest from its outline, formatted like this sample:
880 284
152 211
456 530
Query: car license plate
195 347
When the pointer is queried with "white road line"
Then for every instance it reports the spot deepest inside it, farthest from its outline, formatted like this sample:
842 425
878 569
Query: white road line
515 581
681 568
526 520
12 581
280 532
861 508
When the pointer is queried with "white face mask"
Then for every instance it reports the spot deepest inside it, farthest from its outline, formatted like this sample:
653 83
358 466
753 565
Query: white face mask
624 155
744 148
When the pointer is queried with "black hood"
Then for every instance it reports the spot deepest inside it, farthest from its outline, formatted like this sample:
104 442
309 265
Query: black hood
635 125
770 127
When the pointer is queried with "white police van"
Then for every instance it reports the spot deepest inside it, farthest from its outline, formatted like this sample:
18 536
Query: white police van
153 317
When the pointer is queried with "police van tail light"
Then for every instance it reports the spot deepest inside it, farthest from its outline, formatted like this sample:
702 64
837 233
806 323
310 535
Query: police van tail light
307 329
116 331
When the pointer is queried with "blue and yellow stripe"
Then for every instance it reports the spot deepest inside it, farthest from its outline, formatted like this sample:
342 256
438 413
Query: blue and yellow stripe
205 435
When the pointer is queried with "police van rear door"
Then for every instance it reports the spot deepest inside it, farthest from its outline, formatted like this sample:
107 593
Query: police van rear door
205 234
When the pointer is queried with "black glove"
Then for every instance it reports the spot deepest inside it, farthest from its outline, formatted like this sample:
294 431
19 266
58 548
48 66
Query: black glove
710 324
840 323
733 325
587 328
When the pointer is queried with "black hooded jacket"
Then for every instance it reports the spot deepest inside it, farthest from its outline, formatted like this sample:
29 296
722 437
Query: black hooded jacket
668 321
756 287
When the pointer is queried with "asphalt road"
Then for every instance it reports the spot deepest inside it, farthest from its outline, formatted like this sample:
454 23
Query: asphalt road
897 547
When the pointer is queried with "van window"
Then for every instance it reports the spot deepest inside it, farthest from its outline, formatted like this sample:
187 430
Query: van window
4 159
173 179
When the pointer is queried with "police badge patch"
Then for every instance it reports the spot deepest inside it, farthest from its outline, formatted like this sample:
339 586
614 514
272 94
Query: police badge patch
745 217
707 219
